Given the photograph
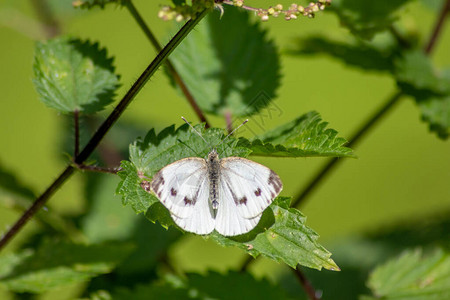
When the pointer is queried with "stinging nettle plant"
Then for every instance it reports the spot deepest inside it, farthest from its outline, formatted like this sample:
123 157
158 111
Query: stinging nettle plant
223 62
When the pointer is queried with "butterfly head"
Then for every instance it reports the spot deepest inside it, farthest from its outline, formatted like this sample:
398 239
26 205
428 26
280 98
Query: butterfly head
213 155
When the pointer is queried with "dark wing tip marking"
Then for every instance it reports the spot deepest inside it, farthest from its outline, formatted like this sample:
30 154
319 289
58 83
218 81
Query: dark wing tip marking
275 181
173 192
157 181
146 185
258 192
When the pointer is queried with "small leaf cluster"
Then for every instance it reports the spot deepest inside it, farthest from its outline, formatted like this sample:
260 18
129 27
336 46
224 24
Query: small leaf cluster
181 10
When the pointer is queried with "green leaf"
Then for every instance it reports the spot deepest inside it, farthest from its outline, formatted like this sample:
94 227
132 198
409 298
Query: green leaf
282 235
417 77
229 64
360 55
105 220
213 285
149 155
415 73
366 18
72 75
304 136
436 112
58 263
412 276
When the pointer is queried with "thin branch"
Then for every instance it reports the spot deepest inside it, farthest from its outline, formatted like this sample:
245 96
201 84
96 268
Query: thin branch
363 130
104 127
36 206
76 119
177 78
97 169
389 104
49 23
306 284
437 27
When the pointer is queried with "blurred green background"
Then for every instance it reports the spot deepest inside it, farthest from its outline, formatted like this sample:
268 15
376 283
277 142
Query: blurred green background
402 172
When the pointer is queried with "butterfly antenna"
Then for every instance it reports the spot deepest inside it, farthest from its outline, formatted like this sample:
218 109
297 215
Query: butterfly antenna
243 123
196 131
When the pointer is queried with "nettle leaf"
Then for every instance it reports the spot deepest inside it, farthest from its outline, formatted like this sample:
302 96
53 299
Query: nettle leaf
282 235
72 75
412 276
56 264
415 72
417 77
149 155
366 18
212 285
360 55
436 112
304 136
229 64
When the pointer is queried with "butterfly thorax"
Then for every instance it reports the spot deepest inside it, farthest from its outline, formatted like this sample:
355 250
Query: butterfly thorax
213 163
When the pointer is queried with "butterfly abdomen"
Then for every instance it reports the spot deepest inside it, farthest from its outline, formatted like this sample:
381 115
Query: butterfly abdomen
214 174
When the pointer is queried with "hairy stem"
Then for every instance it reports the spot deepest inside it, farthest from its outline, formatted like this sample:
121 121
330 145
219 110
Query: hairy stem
437 27
360 133
76 119
305 283
176 77
49 23
97 169
104 127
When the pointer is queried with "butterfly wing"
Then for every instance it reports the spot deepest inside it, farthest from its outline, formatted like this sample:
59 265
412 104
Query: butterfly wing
252 186
183 188
229 221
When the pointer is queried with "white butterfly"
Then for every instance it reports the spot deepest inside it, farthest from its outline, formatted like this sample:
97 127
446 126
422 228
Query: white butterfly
228 194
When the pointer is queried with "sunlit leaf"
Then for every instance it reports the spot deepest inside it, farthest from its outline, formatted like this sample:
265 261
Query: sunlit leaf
305 136
412 277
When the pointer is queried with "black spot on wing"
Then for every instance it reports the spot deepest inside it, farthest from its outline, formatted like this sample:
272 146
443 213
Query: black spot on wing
157 182
188 201
258 192
275 181
243 201
173 192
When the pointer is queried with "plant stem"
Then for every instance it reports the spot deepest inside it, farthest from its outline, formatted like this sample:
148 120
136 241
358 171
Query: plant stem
177 78
47 18
104 127
76 118
430 45
97 169
362 131
306 284
389 104
37 204
437 27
